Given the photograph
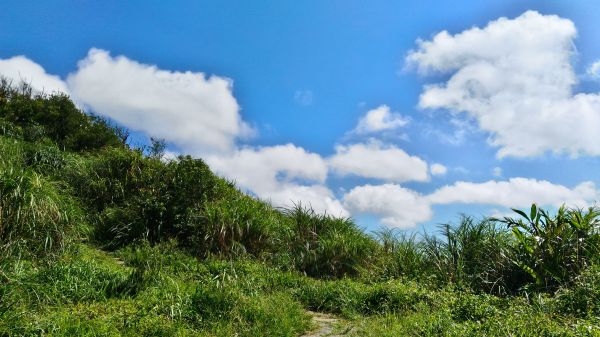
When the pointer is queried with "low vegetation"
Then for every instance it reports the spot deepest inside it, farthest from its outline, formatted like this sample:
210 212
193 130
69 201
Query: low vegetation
101 239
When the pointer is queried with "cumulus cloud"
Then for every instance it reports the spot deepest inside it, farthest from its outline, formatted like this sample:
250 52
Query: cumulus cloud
376 160
283 174
380 119
395 205
196 112
515 78
21 69
594 70
438 169
497 171
516 192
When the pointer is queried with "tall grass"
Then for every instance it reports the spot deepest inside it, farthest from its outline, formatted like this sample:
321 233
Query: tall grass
323 246
474 255
401 256
236 226
34 216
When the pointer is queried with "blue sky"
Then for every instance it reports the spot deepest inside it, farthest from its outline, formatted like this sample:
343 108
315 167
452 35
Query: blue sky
280 87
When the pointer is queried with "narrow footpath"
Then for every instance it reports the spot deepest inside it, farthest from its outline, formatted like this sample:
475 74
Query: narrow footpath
325 325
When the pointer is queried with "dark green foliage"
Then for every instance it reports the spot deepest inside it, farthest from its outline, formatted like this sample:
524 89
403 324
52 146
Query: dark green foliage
54 117
109 177
10 130
46 159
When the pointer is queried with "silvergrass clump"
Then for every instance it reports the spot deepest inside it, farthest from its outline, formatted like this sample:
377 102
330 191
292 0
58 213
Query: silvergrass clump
234 226
401 256
473 255
324 246
35 217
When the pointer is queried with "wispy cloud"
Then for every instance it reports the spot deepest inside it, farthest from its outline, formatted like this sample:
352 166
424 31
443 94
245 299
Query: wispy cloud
304 97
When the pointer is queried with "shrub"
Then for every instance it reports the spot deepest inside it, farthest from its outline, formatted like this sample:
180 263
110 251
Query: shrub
224 309
351 297
78 280
45 159
53 116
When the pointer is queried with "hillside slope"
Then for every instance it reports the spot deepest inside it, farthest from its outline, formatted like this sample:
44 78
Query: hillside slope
101 239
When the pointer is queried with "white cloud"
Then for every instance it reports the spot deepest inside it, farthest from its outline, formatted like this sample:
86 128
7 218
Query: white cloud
283 174
594 70
515 77
380 119
197 113
304 97
438 169
497 171
21 69
375 160
395 205
319 197
516 192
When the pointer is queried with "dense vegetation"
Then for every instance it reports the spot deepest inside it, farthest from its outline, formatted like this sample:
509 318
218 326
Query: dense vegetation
101 239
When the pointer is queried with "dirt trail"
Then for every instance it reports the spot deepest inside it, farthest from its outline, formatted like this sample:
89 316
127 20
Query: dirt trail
325 326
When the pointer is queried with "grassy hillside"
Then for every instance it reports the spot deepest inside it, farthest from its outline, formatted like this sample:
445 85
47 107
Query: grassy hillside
100 239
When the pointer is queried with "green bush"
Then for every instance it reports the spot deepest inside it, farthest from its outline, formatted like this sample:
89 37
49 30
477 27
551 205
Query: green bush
72 281
45 159
54 117
351 297
225 310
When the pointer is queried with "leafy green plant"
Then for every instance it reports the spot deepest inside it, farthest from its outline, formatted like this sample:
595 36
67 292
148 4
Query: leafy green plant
553 250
